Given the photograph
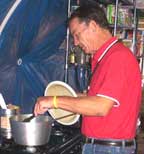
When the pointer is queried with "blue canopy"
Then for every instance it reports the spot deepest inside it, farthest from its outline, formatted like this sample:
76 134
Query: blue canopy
31 51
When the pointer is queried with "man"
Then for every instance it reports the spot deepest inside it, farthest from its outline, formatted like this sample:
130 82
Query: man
111 107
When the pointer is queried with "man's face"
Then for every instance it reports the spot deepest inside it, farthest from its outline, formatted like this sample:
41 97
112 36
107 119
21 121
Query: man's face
83 35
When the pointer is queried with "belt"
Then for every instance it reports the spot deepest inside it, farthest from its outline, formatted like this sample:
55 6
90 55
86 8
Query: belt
110 142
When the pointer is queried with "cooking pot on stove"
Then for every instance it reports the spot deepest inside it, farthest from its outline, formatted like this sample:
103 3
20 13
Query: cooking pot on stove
5 114
33 133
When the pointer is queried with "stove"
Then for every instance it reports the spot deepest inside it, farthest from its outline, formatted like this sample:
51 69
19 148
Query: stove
63 140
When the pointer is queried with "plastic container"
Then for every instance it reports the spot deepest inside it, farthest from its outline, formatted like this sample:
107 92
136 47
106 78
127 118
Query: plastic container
59 88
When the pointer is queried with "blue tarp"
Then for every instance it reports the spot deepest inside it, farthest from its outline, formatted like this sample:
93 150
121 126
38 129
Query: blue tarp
30 53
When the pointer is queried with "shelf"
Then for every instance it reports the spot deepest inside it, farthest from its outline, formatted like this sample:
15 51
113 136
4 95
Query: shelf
141 29
123 2
122 27
140 12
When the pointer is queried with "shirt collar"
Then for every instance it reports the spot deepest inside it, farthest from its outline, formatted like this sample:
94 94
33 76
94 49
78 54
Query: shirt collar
101 50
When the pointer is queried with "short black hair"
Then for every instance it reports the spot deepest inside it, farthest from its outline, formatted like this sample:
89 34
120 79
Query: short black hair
87 12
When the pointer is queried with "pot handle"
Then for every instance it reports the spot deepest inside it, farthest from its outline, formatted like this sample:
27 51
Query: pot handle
63 117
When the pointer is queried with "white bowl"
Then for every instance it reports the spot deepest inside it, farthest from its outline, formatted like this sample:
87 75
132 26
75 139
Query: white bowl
59 88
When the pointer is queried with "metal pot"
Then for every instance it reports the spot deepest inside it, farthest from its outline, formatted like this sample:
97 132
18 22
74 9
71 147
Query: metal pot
5 127
33 133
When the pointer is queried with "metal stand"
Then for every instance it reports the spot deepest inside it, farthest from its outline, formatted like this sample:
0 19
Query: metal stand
135 29
116 17
67 47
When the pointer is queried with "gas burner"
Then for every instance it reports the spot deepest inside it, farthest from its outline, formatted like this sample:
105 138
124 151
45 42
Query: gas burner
31 149
63 140
19 149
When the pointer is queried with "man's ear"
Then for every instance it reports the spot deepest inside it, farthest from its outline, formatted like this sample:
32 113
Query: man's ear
93 25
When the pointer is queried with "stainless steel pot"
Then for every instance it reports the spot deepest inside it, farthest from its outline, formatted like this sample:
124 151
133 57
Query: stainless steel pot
33 133
5 127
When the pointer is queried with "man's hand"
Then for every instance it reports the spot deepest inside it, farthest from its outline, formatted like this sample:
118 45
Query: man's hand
43 104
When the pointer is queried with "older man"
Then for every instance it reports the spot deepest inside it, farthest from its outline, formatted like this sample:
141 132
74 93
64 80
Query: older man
111 107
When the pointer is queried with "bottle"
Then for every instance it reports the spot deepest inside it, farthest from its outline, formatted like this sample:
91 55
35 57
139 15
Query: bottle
72 56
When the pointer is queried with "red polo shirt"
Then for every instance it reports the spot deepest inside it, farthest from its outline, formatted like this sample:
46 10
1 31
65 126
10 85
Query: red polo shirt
118 78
